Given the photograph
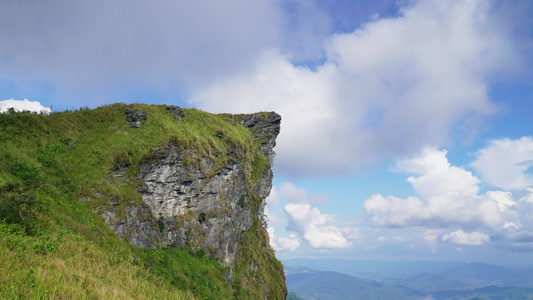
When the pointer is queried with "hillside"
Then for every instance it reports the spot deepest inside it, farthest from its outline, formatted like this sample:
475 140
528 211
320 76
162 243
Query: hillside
146 202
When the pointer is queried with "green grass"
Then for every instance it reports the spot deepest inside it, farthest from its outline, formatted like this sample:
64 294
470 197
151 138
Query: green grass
67 266
55 178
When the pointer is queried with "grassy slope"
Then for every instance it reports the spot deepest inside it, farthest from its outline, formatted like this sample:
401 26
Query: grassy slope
55 176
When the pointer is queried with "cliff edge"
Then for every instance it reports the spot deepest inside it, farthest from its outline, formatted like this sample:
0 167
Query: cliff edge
161 177
203 201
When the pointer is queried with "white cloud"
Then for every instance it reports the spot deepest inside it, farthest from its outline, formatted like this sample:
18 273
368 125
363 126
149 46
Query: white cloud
291 193
503 199
289 243
317 228
273 219
23 105
460 237
350 233
394 211
504 162
306 222
510 225
385 89
393 239
448 195
271 237
528 195
273 197
437 176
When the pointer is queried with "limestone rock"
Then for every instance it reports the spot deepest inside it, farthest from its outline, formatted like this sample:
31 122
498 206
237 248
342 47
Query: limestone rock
176 111
135 117
188 200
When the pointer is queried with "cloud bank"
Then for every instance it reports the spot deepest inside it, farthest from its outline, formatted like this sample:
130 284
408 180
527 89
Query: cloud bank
448 195
102 48
449 203
384 89
460 237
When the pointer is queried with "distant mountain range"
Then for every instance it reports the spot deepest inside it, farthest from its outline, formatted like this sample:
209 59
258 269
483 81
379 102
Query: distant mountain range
465 281
312 285
469 276
389 271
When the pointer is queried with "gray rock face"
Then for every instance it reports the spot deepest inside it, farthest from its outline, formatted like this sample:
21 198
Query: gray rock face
176 111
266 128
190 201
135 117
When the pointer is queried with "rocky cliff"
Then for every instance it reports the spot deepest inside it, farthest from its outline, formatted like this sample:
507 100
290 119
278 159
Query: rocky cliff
190 200
169 200
205 201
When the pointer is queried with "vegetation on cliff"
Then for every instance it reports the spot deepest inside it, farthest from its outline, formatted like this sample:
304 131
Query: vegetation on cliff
56 178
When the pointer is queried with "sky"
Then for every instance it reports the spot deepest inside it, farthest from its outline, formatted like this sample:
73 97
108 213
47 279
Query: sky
406 129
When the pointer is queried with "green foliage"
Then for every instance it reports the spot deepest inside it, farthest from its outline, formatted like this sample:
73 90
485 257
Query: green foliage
259 165
202 217
188 271
10 228
161 224
17 207
64 265
242 201
257 271
55 178
23 170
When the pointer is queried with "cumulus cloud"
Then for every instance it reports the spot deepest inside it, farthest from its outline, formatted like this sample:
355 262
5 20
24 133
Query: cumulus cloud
460 237
273 197
289 243
305 223
448 195
519 230
284 243
317 228
23 105
271 237
385 89
437 176
504 163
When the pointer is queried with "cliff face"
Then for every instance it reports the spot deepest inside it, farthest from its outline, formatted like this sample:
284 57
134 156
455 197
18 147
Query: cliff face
203 201
161 177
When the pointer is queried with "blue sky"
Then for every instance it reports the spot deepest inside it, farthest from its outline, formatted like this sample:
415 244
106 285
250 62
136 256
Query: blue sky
406 129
